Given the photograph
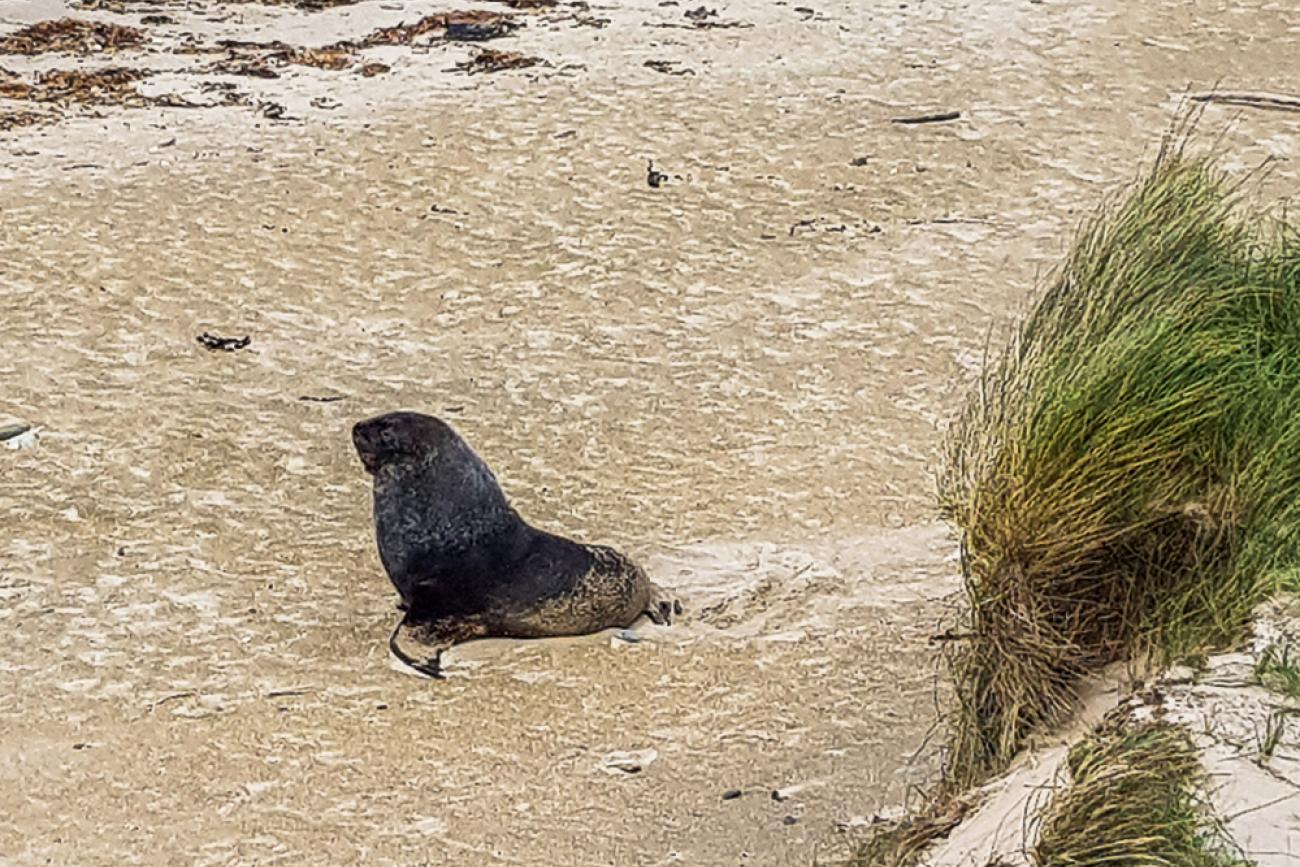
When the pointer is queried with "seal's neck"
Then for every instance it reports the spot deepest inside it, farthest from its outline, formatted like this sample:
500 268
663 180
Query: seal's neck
444 516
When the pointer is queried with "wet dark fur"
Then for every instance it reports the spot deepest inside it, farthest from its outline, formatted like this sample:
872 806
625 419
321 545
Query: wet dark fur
465 564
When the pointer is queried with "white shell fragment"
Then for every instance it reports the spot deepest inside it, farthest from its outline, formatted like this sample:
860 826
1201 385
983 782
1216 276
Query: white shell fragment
628 762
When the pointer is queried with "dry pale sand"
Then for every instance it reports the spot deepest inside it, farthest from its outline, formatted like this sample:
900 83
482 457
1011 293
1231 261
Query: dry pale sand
738 377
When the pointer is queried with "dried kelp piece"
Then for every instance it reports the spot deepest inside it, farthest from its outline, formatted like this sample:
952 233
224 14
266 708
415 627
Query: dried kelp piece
172 100
72 35
260 59
330 57
529 4
18 119
253 46
669 67
111 85
12 85
704 18
274 112
191 44
227 93
214 343
114 85
470 25
308 5
480 30
254 67
136 5
488 60
405 34
119 6
722 25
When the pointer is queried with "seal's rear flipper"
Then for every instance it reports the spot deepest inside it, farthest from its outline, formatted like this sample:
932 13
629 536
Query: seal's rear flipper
663 605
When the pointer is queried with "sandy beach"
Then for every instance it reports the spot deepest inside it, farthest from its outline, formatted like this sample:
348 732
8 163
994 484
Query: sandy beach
739 376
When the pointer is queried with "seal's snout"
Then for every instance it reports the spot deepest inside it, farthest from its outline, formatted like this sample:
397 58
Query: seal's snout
366 440
397 437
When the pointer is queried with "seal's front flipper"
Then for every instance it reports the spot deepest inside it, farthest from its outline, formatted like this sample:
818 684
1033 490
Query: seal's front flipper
438 636
430 668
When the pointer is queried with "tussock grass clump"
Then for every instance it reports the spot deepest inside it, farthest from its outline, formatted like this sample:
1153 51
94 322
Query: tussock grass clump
1126 478
1133 799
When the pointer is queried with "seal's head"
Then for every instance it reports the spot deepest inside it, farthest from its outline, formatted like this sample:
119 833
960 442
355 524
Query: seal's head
396 438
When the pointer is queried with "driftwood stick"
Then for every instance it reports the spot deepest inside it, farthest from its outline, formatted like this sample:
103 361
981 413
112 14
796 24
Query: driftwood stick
1270 101
928 118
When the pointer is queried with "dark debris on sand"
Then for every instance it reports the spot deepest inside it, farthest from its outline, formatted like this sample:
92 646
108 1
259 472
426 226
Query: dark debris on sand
704 18
216 343
226 93
252 67
330 57
265 59
61 89
488 60
463 25
72 35
668 67
114 85
261 59
18 119
121 6
12 85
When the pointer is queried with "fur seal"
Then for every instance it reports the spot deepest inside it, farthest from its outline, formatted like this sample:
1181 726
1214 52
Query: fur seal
466 565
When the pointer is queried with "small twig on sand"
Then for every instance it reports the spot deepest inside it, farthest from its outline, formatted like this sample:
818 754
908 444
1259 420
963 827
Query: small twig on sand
928 118
948 221
171 697
1270 101
1259 807
9 431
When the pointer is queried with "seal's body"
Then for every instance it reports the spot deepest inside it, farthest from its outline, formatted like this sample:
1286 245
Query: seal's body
463 561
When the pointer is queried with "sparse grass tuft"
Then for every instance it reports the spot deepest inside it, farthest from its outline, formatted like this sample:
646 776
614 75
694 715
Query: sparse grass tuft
1125 477
1133 799
1278 669
903 842
1274 731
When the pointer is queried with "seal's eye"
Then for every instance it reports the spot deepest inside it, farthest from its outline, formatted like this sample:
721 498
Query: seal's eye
389 441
